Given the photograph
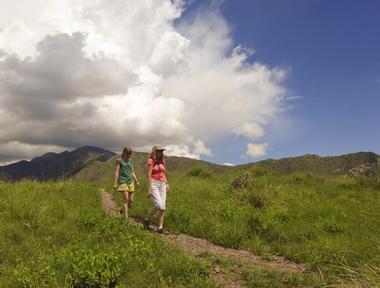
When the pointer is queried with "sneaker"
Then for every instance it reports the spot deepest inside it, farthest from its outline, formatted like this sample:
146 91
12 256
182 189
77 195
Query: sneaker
162 231
146 224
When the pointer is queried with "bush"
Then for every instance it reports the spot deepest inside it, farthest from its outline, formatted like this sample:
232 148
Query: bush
242 181
91 269
198 172
36 273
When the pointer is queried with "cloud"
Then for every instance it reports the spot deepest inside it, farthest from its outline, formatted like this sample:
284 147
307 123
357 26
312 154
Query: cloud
257 150
59 74
201 149
252 131
228 164
11 151
182 151
116 73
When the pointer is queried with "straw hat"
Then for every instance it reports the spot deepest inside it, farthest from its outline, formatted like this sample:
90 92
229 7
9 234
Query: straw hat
158 147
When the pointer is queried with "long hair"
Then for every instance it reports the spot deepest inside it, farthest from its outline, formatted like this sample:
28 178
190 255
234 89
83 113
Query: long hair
160 158
126 151
153 156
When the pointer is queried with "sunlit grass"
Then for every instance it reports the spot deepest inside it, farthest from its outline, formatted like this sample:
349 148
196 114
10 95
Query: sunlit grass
310 219
56 235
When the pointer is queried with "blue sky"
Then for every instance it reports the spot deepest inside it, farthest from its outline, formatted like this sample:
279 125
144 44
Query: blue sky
140 59
332 49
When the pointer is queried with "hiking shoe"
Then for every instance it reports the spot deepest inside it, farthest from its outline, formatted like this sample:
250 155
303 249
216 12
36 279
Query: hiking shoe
162 231
146 224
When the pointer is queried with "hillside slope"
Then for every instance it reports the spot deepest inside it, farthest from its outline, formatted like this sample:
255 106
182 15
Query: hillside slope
55 165
361 163
103 171
91 163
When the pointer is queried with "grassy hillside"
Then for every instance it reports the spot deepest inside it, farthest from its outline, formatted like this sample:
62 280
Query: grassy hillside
325 216
362 163
55 235
103 171
96 164
331 224
52 232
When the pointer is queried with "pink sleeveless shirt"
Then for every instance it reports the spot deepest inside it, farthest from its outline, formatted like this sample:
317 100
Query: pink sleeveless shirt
158 170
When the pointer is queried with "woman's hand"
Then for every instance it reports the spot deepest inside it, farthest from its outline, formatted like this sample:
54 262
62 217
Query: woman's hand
167 187
115 186
138 183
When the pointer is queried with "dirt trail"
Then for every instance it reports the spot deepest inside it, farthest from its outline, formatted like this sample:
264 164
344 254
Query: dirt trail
108 203
198 247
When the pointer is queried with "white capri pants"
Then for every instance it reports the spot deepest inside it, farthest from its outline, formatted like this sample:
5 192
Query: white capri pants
158 194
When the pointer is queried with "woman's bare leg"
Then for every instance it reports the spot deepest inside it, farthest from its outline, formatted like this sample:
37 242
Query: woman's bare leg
130 199
161 219
125 203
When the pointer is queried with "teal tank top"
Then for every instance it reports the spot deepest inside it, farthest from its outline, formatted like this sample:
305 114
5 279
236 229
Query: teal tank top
125 174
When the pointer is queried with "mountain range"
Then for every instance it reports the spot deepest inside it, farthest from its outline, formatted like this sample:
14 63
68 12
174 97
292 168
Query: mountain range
93 163
55 165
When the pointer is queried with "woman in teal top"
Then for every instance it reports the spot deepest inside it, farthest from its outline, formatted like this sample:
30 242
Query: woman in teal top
124 176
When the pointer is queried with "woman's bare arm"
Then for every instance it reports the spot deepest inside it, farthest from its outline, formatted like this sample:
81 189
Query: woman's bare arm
117 171
134 176
150 169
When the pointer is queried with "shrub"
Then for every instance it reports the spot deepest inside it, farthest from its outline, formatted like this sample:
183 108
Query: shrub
242 181
36 273
198 172
89 268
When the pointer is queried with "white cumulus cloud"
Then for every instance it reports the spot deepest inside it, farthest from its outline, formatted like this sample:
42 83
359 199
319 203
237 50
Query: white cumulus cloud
252 131
257 150
124 72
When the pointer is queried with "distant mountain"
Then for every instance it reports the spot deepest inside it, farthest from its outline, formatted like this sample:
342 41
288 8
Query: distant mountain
55 165
96 164
361 163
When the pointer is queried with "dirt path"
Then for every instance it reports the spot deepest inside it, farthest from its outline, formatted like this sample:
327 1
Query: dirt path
108 203
201 247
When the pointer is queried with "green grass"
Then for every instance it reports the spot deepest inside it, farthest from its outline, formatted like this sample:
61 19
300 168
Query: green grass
54 234
331 224
262 277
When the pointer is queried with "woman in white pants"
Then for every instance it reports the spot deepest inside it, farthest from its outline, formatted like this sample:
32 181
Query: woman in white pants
158 186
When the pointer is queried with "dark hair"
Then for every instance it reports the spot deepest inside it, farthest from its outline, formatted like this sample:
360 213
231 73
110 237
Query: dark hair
126 151
160 155
153 156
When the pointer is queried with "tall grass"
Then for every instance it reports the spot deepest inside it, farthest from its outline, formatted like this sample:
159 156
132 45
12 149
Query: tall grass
321 221
55 234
